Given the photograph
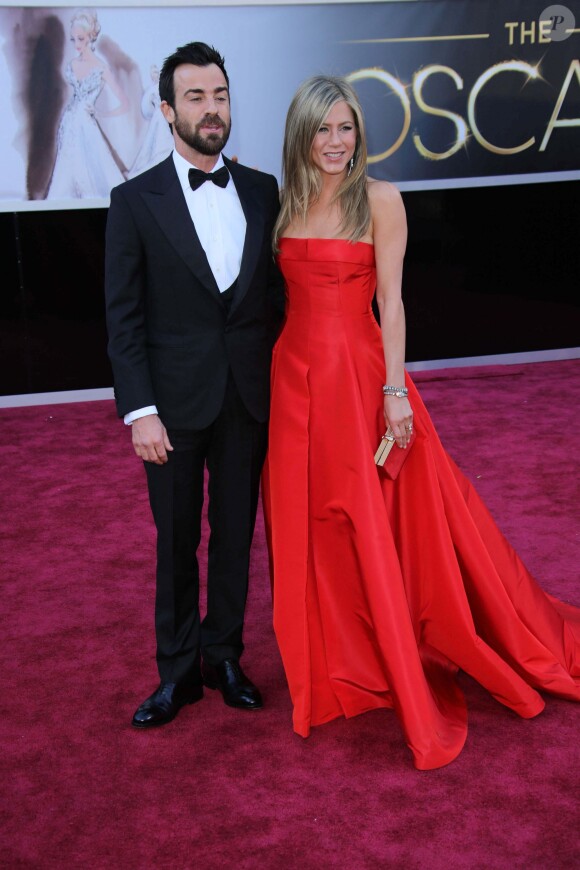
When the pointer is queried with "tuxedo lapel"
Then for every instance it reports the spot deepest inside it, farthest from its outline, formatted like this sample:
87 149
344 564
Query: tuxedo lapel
254 230
165 200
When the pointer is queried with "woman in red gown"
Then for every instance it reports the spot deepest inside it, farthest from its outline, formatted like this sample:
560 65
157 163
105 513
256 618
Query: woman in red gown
383 588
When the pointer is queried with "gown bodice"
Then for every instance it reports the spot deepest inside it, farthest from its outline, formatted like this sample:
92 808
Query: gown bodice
328 276
85 90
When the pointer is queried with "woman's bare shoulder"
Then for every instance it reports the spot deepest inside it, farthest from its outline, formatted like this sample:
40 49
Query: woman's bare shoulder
386 204
382 192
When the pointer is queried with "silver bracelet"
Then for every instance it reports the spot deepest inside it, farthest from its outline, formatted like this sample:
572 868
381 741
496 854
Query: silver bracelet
399 392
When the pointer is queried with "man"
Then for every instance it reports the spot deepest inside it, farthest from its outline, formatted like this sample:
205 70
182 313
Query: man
193 303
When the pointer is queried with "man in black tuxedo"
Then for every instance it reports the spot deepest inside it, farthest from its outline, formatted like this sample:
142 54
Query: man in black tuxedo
194 300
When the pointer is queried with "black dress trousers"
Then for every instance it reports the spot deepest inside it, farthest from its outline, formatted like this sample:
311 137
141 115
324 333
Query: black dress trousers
233 448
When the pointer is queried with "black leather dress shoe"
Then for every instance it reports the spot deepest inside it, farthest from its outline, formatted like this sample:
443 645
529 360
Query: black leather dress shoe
165 703
235 687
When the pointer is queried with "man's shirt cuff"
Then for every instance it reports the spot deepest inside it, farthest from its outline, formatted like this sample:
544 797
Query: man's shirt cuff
140 412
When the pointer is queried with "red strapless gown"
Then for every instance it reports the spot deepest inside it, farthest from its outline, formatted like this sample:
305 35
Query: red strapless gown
382 589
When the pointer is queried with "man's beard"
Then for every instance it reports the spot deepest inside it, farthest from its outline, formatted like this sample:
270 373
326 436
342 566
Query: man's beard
210 145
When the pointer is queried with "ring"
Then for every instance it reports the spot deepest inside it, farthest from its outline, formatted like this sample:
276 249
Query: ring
409 428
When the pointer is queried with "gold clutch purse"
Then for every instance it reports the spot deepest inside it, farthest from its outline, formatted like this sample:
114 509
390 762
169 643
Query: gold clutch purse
389 456
385 446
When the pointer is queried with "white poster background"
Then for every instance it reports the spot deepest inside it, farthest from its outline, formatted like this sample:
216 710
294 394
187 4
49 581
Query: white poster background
248 37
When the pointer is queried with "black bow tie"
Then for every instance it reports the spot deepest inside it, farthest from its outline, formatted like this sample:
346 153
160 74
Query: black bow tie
198 176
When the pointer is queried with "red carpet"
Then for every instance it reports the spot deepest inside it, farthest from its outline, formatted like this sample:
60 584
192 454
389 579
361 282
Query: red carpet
219 788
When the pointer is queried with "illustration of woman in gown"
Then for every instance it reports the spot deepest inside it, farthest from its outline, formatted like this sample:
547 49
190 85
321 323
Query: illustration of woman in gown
383 588
158 141
85 164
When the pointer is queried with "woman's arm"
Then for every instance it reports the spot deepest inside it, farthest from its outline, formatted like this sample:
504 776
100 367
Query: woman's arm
390 238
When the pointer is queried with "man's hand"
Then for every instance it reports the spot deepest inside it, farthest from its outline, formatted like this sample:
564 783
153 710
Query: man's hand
150 439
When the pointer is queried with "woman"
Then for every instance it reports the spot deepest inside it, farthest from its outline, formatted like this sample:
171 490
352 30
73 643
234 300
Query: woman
383 588
86 165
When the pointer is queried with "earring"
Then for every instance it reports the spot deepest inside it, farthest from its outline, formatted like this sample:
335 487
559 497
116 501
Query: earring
350 165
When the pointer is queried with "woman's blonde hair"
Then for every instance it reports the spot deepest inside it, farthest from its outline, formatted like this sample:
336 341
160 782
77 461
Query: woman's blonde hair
88 20
301 178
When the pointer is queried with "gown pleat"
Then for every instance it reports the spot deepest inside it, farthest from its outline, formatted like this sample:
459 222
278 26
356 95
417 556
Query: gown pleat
384 589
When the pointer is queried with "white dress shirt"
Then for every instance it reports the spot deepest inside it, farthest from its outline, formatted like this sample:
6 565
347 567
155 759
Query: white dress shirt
220 224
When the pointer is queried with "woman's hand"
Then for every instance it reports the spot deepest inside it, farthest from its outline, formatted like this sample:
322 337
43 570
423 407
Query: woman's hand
399 416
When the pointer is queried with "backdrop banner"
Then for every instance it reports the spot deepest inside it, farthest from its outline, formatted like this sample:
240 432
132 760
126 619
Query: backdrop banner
455 94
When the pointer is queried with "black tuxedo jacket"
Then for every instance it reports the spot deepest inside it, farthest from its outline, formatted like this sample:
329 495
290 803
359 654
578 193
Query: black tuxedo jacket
171 337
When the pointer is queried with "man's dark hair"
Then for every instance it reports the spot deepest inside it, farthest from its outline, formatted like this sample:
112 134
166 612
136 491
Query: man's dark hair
197 53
